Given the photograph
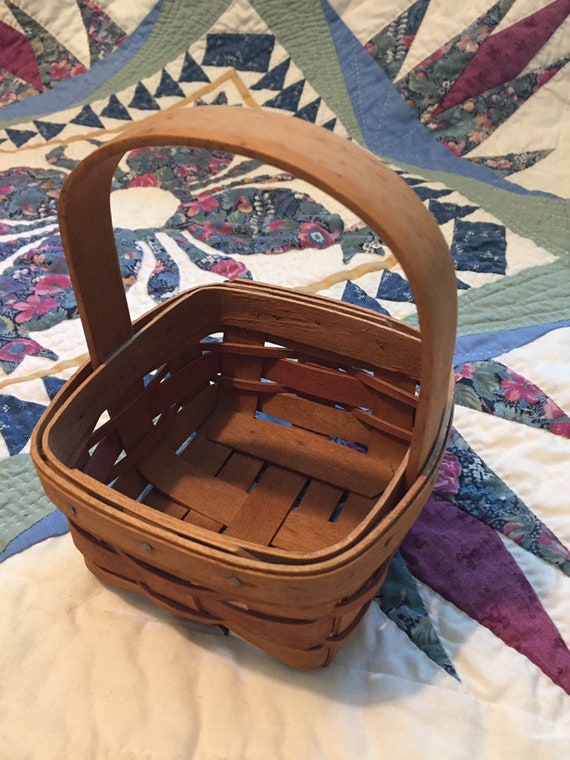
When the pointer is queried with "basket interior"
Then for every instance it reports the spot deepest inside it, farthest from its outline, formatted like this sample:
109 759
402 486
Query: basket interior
277 445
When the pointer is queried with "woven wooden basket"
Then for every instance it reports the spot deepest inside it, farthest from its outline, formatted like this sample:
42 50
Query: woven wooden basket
247 455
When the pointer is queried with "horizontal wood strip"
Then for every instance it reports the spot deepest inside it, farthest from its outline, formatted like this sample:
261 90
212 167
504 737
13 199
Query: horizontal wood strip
382 425
280 631
319 418
302 451
386 388
248 349
351 335
321 382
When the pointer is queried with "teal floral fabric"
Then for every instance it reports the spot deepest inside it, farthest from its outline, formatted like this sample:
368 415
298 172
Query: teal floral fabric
467 482
489 386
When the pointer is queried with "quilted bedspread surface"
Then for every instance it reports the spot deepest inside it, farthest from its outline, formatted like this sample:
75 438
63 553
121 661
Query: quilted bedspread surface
464 651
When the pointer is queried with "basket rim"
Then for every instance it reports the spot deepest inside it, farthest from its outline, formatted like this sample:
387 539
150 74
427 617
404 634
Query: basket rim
85 374
238 552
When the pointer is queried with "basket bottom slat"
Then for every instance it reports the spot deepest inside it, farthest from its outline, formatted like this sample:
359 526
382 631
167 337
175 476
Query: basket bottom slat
186 484
267 506
297 450
240 470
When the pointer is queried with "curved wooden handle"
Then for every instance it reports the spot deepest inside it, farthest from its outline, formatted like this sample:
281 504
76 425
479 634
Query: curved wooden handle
345 171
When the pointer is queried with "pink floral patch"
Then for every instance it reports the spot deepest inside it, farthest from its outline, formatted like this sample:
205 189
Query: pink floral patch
229 268
33 306
516 388
448 476
312 235
202 203
145 180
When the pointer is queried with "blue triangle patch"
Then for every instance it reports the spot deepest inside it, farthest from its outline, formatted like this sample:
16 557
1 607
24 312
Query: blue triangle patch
330 124
20 137
191 72
274 79
288 99
116 110
355 295
143 100
17 420
400 599
427 193
479 247
49 130
52 385
168 86
393 287
445 212
310 111
88 118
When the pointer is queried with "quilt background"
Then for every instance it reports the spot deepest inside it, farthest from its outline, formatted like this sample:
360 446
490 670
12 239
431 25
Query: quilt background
465 654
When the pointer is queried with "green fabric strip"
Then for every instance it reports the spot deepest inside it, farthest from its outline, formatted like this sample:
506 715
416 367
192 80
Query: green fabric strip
22 499
285 21
178 26
536 296
533 297
544 220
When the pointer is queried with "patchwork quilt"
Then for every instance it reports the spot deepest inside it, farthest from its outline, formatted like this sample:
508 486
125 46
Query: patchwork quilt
464 652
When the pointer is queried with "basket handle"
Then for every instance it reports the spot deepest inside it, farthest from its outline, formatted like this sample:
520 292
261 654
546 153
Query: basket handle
341 168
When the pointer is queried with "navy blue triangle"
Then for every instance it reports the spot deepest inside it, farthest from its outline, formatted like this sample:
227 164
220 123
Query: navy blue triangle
411 181
461 285
288 99
191 72
88 118
274 79
445 212
48 130
330 124
116 110
168 86
310 111
358 297
393 287
479 247
427 193
143 100
52 385
20 137
17 420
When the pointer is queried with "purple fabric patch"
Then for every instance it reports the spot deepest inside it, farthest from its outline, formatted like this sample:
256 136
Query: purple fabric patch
17 55
505 54
465 562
